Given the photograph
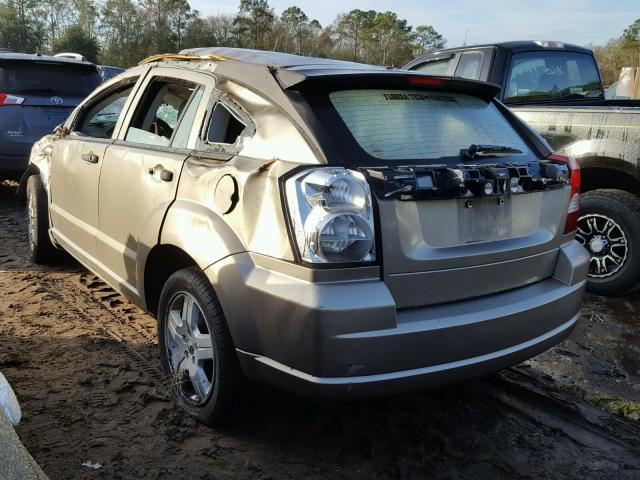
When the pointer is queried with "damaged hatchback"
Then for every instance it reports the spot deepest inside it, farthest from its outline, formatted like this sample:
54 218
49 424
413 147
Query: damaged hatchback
336 229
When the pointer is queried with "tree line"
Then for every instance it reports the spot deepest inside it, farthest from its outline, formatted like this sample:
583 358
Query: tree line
623 51
122 32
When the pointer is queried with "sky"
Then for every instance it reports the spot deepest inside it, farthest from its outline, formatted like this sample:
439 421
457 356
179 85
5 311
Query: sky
572 21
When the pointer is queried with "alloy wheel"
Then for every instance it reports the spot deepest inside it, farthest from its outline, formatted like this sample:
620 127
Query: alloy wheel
190 348
606 241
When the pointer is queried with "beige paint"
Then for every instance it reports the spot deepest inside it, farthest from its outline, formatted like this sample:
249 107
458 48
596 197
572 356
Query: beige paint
74 193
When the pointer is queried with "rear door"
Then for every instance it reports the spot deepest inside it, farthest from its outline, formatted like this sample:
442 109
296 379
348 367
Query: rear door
75 170
44 94
141 169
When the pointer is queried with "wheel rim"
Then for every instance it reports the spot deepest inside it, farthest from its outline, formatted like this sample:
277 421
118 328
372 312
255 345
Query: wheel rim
189 348
606 241
31 209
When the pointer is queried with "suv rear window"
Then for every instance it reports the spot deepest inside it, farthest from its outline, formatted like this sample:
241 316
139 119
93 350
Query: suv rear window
48 78
541 75
412 125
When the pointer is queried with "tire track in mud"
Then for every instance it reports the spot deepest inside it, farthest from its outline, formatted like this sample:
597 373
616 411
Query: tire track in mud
583 423
112 322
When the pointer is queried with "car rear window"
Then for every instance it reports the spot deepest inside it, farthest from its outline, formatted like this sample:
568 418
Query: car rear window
412 125
552 75
48 78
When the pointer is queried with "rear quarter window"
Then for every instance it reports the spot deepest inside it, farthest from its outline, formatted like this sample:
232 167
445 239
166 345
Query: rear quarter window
470 65
413 125
434 67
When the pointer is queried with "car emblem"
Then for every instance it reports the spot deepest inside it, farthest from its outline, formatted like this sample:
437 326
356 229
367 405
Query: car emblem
56 100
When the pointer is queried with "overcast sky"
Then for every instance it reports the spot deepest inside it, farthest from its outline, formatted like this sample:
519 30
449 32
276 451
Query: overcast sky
572 21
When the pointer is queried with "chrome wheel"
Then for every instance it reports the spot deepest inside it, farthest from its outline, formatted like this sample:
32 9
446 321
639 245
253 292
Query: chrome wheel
606 242
189 348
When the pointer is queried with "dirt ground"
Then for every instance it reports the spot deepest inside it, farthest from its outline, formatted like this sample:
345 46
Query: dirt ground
84 364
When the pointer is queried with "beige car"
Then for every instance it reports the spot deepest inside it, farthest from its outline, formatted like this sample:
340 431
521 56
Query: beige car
337 229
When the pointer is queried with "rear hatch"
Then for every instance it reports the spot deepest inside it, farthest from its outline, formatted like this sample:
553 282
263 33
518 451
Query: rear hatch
442 236
41 96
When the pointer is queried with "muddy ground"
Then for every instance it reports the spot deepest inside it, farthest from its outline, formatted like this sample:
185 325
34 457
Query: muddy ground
84 364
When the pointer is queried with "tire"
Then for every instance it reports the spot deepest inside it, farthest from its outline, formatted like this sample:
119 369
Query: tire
609 228
183 348
41 250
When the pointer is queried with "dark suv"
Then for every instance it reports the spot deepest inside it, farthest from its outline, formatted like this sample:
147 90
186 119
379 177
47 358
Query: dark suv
37 93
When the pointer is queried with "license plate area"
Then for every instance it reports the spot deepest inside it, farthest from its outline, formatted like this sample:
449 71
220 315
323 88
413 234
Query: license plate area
455 222
484 219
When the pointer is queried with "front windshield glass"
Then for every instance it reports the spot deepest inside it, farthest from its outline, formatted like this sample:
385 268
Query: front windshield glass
417 125
552 75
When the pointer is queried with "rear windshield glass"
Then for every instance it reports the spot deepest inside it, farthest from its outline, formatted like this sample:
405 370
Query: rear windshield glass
411 125
537 76
47 79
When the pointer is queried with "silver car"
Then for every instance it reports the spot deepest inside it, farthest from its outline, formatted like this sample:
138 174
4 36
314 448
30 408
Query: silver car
333 228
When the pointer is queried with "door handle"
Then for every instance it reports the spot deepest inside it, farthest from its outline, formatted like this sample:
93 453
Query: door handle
90 158
165 175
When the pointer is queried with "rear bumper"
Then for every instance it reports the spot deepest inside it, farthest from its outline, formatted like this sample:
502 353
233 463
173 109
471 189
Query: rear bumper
354 387
348 340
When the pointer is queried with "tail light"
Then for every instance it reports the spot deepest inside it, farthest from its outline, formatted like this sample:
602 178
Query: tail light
574 180
332 216
8 99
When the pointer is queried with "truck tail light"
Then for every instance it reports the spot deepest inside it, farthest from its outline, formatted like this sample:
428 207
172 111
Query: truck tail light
548 44
574 180
331 215
8 99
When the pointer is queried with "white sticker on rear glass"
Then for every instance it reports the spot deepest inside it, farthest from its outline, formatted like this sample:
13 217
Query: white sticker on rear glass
398 124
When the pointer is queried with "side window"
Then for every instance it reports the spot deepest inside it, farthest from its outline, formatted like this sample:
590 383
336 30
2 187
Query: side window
225 127
157 115
470 65
181 137
100 118
434 67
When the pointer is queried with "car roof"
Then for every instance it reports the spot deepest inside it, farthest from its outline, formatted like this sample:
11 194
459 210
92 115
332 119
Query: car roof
307 66
277 59
36 57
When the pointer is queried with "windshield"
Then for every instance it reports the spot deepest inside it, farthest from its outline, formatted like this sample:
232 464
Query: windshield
412 125
552 75
48 78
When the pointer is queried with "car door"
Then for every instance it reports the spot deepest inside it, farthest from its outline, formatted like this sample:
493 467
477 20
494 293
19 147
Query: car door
75 170
141 169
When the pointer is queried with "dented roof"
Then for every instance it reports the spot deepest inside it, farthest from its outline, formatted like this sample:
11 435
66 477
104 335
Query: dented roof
277 59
